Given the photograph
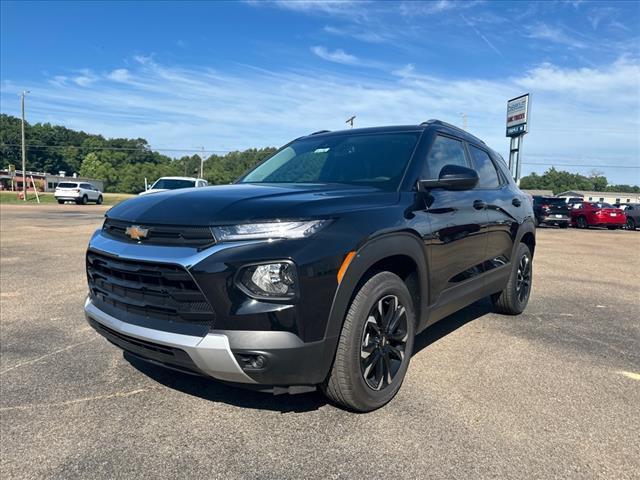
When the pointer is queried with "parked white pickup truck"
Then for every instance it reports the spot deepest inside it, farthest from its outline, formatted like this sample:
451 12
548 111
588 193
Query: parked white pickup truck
173 183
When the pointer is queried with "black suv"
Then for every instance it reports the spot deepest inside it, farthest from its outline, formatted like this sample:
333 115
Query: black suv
551 211
319 266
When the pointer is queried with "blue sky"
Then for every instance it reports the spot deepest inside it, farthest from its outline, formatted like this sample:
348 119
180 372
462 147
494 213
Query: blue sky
229 75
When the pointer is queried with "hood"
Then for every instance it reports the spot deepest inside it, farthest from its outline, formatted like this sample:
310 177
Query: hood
241 203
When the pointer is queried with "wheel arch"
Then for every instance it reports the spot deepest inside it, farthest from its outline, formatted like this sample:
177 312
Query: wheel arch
401 253
526 235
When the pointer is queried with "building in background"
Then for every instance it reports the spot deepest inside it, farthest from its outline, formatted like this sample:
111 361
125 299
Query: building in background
606 197
45 182
541 193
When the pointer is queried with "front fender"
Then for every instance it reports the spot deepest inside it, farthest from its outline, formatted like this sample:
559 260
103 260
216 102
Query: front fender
375 250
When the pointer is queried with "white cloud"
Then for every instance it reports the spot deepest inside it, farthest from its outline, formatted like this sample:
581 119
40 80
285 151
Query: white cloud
578 115
542 31
364 35
119 75
337 56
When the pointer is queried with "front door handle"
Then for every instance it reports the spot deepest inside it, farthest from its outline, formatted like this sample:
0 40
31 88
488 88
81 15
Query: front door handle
516 202
479 204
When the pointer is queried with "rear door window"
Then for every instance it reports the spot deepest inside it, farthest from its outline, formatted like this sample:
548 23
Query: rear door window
488 176
444 151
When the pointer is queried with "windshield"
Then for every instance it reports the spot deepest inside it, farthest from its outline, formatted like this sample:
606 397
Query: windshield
377 160
172 183
67 185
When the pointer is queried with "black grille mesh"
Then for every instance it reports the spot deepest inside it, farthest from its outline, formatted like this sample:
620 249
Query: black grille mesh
153 290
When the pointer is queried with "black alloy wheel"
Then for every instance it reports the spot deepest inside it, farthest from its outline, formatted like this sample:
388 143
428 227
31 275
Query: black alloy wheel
523 278
384 342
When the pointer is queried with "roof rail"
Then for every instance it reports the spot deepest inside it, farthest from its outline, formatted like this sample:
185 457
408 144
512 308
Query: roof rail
319 132
433 121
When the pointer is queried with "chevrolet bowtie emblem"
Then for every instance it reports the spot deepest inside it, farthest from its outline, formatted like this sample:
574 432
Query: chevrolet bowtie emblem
136 232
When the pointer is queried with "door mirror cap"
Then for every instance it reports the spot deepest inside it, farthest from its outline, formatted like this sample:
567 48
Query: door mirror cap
452 177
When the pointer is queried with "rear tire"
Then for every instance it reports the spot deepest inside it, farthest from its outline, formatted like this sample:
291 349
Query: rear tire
582 222
84 200
514 298
60 202
563 225
375 345
612 228
631 224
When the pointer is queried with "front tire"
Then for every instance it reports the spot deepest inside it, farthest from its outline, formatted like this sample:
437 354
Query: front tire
375 345
99 200
514 298
60 202
564 225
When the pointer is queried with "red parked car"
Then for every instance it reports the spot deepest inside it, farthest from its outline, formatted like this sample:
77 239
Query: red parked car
597 214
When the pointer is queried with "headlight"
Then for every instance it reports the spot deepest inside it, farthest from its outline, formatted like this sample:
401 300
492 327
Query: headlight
270 280
268 230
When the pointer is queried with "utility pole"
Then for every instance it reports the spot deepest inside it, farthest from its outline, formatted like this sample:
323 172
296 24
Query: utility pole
202 164
350 120
464 121
24 149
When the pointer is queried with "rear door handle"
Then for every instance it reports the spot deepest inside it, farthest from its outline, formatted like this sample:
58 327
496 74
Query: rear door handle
479 204
516 202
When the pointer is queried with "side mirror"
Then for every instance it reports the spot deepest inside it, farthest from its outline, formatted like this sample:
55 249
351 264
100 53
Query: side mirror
452 177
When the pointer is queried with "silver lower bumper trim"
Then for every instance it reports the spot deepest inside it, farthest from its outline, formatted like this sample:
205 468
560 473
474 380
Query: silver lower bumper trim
211 353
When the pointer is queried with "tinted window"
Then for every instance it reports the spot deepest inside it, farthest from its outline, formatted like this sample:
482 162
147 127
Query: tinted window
173 183
377 160
67 185
488 176
444 151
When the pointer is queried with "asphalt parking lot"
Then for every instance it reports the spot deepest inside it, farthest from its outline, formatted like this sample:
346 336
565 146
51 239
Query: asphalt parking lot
553 393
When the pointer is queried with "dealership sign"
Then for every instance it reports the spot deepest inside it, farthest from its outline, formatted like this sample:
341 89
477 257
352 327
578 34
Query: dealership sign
517 115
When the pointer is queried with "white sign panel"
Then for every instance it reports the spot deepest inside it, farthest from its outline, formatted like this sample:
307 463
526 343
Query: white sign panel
517 115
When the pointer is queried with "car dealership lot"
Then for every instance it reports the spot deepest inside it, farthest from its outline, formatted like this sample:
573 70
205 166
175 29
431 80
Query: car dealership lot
554 392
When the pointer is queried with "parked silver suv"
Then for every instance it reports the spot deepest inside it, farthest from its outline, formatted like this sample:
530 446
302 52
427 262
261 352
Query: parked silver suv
79 192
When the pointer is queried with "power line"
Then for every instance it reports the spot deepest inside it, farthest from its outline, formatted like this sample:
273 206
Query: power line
130 149
554 164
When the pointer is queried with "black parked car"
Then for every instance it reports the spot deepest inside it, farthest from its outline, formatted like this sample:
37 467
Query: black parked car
551 211
319 266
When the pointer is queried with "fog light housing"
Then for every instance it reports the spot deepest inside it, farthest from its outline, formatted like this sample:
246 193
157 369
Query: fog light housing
276 280
252 361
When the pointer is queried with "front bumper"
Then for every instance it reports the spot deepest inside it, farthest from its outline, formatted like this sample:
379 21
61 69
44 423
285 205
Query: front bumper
290 337
288 361
210 355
